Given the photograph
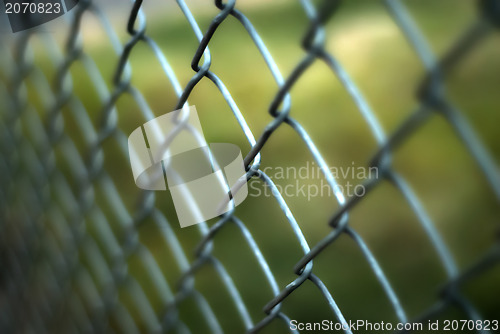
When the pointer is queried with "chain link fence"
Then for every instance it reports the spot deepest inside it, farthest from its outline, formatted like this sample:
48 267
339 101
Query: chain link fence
73 258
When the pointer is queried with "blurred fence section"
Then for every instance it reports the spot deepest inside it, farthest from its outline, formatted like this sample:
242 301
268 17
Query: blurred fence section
72 259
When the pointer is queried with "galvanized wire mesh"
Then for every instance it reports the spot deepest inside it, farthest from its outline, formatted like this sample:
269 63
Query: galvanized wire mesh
68 235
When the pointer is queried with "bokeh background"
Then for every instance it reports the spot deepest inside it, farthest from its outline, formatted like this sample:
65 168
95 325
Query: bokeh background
366 41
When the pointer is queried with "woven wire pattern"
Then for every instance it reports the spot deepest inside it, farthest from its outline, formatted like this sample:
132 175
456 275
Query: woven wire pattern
59 277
